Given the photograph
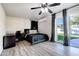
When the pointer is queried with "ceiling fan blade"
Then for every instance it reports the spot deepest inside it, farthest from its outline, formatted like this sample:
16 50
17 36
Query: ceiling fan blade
40 12
35 8
50 11
54 4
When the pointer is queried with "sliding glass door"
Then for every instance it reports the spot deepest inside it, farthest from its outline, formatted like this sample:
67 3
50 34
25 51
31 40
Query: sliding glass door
59 28
73 15
72 27
74 34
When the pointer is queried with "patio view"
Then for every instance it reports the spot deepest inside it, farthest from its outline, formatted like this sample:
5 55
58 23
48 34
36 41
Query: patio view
74 30
60 30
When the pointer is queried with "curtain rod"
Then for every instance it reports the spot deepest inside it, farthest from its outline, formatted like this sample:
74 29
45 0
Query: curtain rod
67 8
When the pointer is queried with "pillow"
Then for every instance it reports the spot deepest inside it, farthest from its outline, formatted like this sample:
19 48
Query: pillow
33 31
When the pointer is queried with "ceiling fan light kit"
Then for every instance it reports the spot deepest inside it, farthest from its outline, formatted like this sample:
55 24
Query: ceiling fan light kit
44 7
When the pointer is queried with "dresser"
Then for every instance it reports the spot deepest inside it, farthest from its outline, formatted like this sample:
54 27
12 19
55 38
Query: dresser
9 41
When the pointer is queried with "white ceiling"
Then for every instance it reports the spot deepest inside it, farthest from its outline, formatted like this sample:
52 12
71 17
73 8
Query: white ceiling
73 11
23 9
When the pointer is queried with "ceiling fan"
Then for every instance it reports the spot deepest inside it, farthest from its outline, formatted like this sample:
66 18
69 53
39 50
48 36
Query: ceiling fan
44 7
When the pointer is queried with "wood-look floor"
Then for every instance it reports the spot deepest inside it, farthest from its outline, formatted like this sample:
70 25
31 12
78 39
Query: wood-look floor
24 48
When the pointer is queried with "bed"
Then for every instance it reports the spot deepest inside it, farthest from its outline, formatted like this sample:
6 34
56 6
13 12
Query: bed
37 38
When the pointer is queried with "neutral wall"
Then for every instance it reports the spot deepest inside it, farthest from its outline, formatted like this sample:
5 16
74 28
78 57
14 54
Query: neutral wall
2 27
44 26
14 24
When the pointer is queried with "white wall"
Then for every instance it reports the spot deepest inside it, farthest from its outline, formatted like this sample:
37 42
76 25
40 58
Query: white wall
44 26
14 24
2 27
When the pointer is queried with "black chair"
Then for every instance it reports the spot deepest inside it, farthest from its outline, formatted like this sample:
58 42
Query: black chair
18 35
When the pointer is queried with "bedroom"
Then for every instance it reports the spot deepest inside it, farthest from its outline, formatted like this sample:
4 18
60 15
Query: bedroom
24 27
